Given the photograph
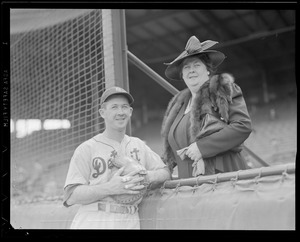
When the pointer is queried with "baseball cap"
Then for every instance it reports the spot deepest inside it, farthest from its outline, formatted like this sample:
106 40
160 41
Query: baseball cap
115 90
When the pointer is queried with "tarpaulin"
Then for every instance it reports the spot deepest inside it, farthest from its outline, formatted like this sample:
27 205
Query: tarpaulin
264 203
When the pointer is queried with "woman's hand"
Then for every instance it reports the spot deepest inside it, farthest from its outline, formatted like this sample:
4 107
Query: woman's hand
193 152
198 168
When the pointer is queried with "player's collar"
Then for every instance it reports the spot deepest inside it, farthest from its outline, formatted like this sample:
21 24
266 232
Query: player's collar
100 137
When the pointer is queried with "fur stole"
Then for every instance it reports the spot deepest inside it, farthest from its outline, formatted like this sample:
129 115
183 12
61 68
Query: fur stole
215 95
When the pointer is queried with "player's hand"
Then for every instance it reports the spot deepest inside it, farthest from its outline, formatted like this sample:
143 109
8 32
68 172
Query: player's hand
133 181
128 184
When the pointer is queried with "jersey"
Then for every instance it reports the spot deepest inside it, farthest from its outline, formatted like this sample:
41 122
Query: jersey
89 165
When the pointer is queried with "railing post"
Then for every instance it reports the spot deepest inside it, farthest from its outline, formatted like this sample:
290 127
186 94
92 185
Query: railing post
115 55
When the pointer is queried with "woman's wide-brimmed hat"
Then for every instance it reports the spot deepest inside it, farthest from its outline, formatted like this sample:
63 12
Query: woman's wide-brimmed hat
193 48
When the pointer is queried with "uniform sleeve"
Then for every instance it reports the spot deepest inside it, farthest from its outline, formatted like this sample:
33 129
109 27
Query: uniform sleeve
79 170
152 159
68 192
234 134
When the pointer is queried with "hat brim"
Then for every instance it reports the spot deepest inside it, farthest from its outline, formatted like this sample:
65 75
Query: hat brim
173 71
127 95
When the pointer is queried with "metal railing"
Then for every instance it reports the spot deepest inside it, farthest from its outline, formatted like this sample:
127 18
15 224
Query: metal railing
233 176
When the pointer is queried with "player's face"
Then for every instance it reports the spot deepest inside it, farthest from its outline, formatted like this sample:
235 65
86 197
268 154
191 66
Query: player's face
116 113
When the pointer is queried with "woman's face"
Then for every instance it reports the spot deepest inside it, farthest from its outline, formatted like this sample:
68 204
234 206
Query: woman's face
194 73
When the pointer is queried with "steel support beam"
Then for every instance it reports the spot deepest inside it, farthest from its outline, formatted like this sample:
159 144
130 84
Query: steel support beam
147 70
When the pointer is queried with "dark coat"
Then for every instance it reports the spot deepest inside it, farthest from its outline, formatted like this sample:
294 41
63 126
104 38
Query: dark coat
222 98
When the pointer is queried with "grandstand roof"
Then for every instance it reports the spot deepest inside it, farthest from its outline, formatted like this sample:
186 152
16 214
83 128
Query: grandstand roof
258 43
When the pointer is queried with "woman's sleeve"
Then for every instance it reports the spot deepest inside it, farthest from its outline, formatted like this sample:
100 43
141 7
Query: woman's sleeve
234 134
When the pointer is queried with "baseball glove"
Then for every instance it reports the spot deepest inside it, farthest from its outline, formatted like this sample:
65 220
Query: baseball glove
130 165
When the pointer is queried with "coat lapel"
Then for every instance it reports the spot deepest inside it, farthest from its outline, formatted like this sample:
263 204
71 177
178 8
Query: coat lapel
175 123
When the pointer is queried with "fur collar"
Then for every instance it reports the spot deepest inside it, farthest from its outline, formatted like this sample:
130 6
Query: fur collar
214 95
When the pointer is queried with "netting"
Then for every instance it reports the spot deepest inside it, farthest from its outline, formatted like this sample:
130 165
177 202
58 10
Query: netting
57 76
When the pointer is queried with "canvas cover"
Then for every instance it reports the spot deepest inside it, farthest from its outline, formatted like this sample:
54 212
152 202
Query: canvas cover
266 203
262 203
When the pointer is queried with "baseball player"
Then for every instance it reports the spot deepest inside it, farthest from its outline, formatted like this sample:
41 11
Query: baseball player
90 181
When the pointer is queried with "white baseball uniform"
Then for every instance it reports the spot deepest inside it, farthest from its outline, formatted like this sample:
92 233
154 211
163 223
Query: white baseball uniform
89 165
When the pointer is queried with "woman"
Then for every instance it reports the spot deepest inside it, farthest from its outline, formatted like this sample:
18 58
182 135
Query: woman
205 124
